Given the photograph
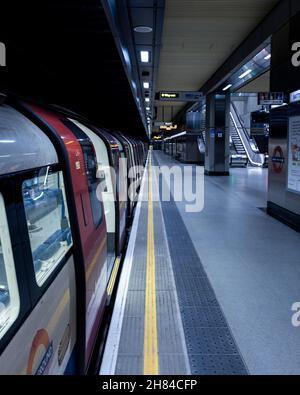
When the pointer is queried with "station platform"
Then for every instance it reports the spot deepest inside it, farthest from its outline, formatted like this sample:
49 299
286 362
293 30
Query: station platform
206 292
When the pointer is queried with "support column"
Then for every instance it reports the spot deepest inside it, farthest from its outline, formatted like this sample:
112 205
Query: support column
217 135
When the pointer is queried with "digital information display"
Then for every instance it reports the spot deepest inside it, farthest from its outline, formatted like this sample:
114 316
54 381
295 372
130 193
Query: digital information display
294 155
270 98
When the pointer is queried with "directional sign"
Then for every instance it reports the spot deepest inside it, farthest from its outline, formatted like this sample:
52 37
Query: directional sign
180 96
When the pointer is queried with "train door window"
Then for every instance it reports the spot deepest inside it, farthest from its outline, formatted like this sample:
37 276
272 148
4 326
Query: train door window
9 293
47 221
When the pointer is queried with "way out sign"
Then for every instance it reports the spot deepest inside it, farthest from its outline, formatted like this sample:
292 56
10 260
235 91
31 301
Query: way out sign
180 96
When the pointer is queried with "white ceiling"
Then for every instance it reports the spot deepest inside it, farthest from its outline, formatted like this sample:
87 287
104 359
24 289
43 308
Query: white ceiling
198 36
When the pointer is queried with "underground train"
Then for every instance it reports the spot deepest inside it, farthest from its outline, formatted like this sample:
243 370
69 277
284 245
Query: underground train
64 211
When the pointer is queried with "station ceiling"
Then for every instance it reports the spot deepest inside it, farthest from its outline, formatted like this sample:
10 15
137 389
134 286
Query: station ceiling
198 36
63 52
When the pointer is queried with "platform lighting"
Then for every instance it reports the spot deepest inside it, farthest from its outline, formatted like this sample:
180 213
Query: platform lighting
148 108
144 56
143 29
147 100
268 56
227 87
146 85
245 73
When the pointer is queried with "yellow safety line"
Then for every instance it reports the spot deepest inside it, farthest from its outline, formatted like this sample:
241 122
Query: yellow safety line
113 276
150 329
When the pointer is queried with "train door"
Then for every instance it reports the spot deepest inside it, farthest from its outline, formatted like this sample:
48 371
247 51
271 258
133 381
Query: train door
132 174
107 175
130 164
119 159
123 177
89 217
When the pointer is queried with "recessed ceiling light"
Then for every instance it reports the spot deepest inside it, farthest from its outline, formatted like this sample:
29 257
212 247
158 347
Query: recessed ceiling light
148 108
147 99
144 56
143 29
146 85
227 87
245 73
268 57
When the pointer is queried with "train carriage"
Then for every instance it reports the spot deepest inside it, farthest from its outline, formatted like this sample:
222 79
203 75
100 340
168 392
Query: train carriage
56 235
37 268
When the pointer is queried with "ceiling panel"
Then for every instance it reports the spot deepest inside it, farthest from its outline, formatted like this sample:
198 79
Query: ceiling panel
199 35
260 84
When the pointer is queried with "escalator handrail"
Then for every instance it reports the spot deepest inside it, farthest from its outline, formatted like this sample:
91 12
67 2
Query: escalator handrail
240 122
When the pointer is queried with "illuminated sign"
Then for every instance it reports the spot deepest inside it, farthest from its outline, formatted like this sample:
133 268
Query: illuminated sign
168 127
180 96
169 95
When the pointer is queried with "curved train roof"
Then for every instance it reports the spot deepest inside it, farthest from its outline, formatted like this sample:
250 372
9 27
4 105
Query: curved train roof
23 145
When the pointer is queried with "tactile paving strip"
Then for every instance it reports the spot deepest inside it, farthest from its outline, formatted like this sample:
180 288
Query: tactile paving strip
210 344
171 351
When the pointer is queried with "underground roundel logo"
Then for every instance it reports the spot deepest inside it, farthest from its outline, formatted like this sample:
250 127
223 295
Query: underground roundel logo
277 159
41 339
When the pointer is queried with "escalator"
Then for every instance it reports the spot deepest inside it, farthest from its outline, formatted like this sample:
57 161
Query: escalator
237 144
242 142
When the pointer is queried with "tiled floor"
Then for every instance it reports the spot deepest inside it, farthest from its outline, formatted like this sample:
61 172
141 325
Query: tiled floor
253 264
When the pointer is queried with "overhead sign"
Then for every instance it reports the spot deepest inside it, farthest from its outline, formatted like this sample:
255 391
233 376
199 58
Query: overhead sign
169 95
295 96
163 123
270 98
180 96
168 127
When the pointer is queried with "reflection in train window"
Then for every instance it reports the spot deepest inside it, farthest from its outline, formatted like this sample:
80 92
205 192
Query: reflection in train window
90 162
91 173
9 294
47 221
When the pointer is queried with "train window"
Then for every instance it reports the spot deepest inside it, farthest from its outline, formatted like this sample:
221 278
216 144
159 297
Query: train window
47 221
9 294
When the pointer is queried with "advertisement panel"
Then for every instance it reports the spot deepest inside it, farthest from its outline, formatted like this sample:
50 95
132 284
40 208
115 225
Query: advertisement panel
294 154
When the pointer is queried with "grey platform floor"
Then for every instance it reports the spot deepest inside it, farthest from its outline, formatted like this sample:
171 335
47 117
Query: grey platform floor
253 264
172 356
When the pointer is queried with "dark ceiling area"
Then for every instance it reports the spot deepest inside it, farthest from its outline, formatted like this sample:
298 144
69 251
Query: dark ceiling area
63 53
